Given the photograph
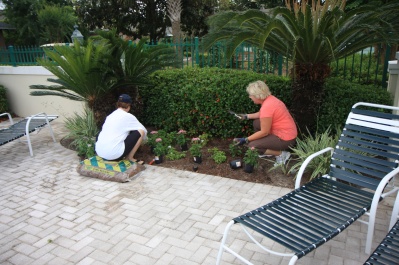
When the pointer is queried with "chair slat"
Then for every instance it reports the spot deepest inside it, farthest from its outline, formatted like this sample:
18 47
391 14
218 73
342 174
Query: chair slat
309 216
375 123
295 202
370 145
387 134
382 164
353 178
372 113
388 250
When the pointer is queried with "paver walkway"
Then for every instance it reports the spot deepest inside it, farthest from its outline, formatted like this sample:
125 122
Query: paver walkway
49 214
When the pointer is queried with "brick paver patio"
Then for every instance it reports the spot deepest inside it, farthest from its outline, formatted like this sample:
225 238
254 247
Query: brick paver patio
49 214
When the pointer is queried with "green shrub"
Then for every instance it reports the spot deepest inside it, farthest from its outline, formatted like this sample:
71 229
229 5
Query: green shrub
83 130
311 144
198 99
359 68
173 154
3 100
217 155
340 96
235 150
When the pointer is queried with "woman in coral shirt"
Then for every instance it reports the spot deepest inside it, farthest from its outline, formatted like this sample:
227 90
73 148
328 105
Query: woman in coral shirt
275 129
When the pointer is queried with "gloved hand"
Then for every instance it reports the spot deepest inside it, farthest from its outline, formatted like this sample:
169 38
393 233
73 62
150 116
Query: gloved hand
240 141
242 116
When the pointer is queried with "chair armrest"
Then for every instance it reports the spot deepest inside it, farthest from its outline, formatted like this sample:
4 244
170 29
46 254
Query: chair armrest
9 117
306 162
380 189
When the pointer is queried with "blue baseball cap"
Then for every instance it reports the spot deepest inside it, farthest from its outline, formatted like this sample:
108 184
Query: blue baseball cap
125 98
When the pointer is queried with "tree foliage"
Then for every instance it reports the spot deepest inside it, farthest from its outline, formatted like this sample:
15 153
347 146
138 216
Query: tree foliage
133 18
23 15
56 23
311 34
101 69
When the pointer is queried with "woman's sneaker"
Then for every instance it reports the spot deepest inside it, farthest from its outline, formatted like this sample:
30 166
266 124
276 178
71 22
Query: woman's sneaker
283 158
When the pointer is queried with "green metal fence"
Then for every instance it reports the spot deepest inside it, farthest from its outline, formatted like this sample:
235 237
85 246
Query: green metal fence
364 67
20 55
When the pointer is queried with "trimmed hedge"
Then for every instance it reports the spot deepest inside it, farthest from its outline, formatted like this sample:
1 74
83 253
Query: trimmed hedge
3 100
197 100
340 96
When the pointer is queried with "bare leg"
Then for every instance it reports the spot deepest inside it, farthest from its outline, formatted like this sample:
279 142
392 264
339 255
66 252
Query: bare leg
131 154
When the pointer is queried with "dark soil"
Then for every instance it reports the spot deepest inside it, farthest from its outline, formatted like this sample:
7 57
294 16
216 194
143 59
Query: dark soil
261 174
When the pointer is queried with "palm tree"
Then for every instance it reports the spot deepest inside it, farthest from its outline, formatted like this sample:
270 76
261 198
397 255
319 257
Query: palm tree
312 35
101 70
81 72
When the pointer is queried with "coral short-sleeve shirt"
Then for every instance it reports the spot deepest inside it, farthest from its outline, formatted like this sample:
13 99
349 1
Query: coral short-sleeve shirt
283 125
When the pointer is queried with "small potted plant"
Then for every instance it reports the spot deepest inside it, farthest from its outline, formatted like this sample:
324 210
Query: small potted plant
195 150
151 137
250 159
235 151
181 140
159 150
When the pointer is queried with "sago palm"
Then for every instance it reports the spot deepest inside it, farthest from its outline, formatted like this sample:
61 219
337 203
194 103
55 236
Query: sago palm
102 69
311 35
80 70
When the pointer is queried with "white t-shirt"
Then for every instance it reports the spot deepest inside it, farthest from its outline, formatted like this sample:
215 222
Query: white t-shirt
117 126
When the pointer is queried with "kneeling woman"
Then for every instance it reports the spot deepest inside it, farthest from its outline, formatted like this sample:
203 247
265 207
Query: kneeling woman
121 134
275 129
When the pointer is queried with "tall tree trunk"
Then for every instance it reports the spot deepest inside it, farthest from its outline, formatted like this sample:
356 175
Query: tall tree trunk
307 94
174 14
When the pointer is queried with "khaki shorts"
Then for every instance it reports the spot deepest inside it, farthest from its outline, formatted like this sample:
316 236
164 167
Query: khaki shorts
271 142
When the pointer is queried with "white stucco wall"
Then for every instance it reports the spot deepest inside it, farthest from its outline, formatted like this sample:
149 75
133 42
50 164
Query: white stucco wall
393 82
17 81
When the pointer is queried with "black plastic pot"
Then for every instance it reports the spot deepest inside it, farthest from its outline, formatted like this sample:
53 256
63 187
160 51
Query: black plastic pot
184 147
235 164
197 159
248 168
158 159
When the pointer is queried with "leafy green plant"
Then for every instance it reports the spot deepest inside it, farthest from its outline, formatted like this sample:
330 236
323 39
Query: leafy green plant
195 148
235 150
204 139
251 156
198 100
217 155
181 137
83 130
3 100
160 147
173 154
339 97
310 145
151 138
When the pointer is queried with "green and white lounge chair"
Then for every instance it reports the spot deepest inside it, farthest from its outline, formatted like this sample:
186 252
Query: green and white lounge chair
362 168
26 126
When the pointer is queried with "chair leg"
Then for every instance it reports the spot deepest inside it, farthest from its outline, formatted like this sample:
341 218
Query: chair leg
293 260
370 230
395 213
223 242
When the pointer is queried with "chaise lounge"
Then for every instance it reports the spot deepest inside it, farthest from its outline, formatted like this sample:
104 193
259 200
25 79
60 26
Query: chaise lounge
362 169
26 126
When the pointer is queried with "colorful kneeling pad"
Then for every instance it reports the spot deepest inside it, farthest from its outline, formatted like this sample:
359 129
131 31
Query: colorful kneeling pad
119 171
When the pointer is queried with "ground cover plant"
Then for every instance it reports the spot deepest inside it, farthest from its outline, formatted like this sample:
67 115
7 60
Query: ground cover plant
168 115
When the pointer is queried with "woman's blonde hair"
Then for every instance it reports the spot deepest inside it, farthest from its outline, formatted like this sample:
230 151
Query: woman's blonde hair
258 89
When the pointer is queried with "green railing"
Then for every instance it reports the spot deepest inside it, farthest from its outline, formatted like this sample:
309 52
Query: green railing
246 57
16 56
364 67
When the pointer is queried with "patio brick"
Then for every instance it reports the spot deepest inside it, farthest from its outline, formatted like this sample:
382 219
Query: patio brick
52 215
